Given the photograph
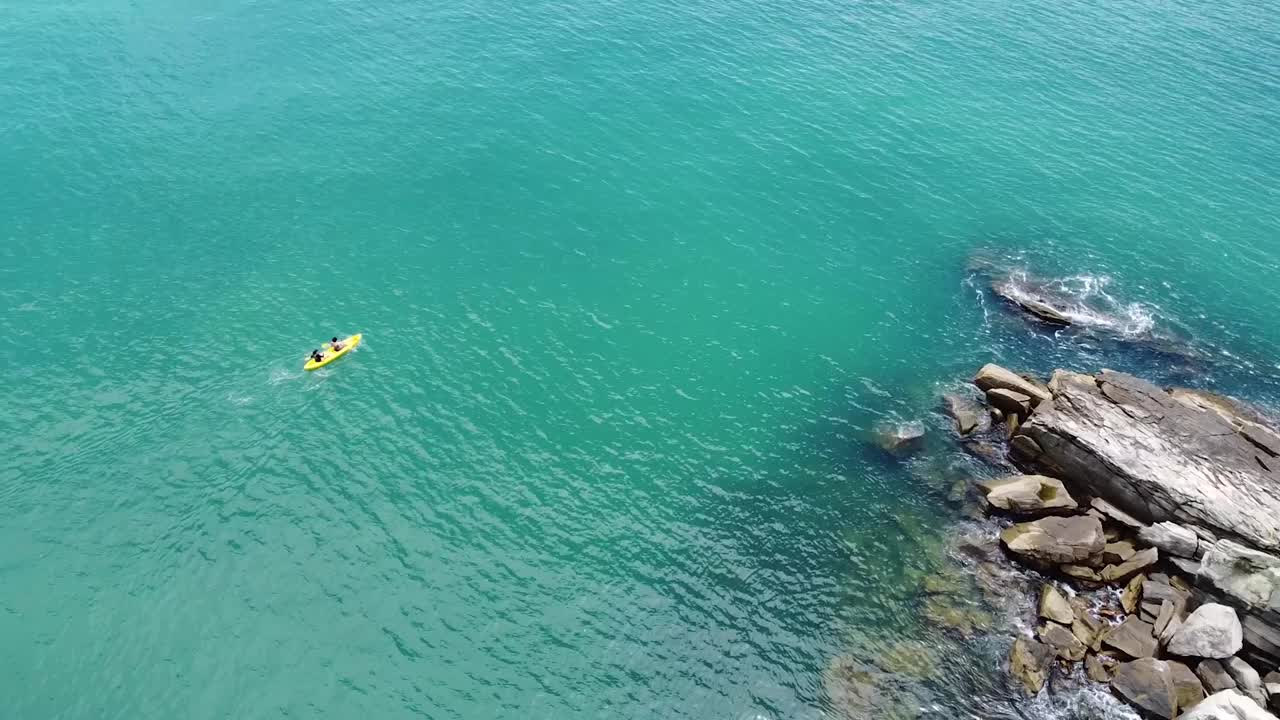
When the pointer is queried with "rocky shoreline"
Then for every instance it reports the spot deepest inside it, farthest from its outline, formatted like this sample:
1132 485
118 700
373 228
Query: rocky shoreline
1152 519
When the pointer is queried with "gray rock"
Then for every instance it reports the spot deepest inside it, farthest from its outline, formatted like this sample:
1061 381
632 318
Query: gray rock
992 377
966 413
1214 676
1013 404
1186 686
1023 448
1175 624
1157 458
1140 561
1101 667
1162 619
1247 679
1262 635
1028 495
1111 512
1147 683
1212 631
1029 662
1190 567
900 438
1064 643
1053 606
1037 307
1055 540
1249 576
1171 538
1132 593
1080 572
1114 553
1132 637
1227 705
1157 592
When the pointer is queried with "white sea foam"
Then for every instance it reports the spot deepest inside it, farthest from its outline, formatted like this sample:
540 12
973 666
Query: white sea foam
1085 300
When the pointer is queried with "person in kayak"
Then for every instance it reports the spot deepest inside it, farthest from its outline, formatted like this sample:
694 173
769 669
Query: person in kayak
317 356
335 344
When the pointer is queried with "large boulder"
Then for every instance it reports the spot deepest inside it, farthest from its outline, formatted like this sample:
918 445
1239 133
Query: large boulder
1056 540
1158 458
994 377
1009 402
1212 631
1028 495
1147 683
1064 642
1132 637
1227 705
1247 575
1171 538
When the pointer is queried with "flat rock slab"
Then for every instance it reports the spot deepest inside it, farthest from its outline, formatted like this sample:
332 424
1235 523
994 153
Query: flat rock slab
1028 495
1132 637
1148 684
1160 459
1056 540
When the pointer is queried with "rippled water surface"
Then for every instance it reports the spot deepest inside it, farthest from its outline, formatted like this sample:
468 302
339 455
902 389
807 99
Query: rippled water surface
635 281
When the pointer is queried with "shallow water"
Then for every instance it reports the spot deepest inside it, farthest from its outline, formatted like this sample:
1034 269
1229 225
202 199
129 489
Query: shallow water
635 279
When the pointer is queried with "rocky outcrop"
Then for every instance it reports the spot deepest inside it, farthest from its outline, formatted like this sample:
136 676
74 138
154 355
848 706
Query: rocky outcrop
1028 495
1147 683
965 412
1212 631
1158 458
1227 705
1056 540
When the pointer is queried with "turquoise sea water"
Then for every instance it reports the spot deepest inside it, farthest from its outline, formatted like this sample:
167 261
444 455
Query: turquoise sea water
635 280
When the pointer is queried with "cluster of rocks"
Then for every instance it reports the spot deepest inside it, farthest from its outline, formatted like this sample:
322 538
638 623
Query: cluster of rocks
1155 516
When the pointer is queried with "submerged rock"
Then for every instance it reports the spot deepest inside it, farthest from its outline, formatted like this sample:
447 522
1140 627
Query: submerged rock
965 412
1056 540
1147 683
1029 495
1212 631
900 438
1227 705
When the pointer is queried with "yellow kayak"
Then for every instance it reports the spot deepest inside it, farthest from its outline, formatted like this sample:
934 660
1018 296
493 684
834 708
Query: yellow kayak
330 355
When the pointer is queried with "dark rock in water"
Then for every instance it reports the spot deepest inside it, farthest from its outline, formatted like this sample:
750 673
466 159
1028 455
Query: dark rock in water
1037 308
1214 677
1212 631
1247 679
1056 540
994 377
1023 449
1029 662
1157 458
1028 495
900 438
989 452
1133 637
1147 684
1080 572
966 412
1064 643
1186 686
